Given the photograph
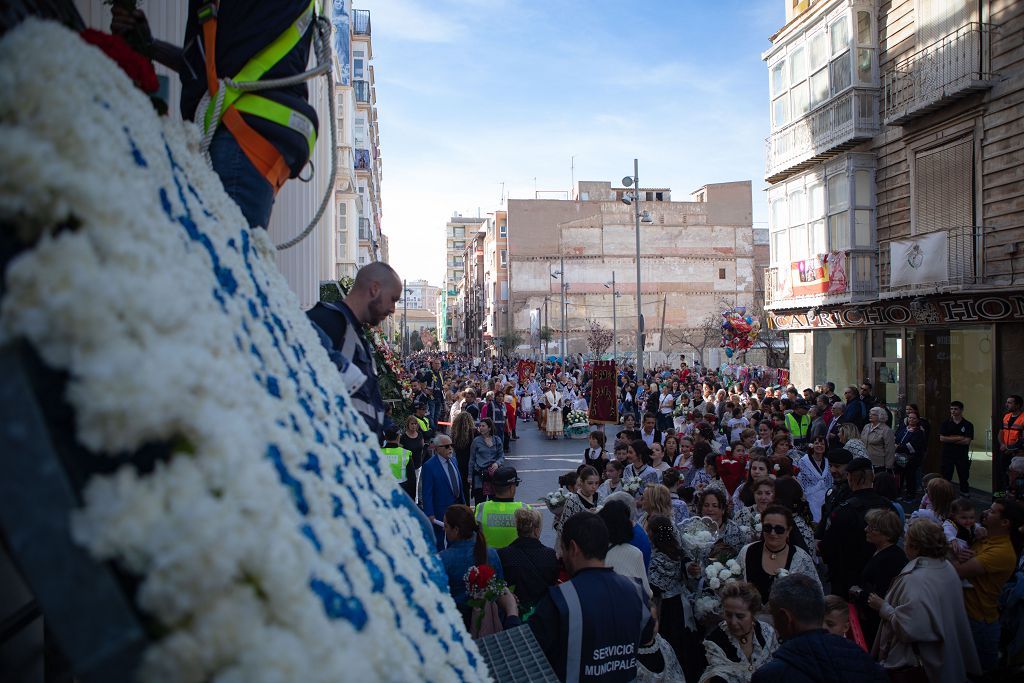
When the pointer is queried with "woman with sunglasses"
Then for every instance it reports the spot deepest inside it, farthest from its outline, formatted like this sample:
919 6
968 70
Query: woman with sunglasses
764 560
814 475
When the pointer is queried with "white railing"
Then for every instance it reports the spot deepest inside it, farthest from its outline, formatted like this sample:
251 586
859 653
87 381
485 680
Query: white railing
963 244
950 67
847 118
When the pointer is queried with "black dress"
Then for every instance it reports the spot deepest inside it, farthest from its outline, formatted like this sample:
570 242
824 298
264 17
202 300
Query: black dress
879 573
756 574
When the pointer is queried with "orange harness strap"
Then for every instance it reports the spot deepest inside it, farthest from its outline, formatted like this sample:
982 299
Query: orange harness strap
263 155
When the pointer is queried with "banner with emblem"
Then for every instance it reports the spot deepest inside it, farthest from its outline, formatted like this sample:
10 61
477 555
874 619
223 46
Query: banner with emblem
526 369
923 259
809 276
604 404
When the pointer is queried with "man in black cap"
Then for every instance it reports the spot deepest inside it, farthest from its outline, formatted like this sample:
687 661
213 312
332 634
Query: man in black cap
844 547
798 423
423 420
497 516
838 459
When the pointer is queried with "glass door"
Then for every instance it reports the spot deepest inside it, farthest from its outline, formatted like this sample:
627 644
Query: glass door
888 387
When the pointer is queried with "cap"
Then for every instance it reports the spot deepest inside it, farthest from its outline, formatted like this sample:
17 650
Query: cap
505 476
859 465
801 404
420 404
839 456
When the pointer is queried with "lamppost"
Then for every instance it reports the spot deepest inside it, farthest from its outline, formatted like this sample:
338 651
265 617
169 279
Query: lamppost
615 332
560 274
634 182
405 317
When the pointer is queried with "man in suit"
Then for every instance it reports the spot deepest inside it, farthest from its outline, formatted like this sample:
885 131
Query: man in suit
441 486
835 421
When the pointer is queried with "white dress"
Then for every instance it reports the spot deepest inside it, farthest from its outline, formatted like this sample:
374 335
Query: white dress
815 484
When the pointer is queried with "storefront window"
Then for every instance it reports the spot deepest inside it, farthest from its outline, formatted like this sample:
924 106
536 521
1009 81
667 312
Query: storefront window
836 358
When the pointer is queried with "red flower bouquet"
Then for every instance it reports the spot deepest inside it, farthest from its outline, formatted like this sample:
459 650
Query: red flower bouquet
484 588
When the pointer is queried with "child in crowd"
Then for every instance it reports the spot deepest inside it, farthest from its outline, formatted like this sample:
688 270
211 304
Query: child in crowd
596 456
620 453
680 510
838 621
961 529
612 479
925 501
568 481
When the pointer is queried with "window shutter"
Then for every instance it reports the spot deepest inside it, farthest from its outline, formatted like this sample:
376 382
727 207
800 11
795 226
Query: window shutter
938 18
944 187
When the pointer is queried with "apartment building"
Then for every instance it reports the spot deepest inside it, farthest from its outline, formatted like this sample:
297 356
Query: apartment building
421 295
897 203
695 256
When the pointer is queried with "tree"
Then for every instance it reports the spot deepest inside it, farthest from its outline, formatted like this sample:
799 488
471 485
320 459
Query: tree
509 341
599 338
707 335
546 335
774 342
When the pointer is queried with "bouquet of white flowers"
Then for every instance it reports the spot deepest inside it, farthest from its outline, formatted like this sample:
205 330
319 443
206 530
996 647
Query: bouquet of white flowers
718 574
555 500
632 487
707 606
698 536
577 417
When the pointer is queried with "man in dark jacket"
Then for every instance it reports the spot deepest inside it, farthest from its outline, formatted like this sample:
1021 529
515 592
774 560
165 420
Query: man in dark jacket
809 653
838 459
856 410
844 547
529 565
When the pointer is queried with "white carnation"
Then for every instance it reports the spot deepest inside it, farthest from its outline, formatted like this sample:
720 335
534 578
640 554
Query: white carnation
725 575
715 583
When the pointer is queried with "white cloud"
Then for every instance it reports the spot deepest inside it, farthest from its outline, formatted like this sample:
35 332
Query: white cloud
413 21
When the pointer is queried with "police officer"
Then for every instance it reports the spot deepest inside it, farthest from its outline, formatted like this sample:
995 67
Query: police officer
497 515
838 459
799 424
844 547
423 420
398 460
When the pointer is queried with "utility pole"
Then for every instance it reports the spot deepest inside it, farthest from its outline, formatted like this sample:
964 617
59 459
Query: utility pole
561 281
639 311
615 329
664 306
546 322
405 319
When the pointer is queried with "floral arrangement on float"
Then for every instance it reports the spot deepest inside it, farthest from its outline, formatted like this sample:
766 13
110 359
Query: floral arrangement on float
269 544
577 425
484 587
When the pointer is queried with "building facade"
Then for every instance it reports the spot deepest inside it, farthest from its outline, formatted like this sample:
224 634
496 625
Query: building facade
421 295
695 257
897 204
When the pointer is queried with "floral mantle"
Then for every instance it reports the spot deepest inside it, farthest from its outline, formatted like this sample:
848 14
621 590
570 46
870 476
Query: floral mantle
271 546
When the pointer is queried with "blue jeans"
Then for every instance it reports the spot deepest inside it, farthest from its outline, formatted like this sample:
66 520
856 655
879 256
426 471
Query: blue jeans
986 642
242 182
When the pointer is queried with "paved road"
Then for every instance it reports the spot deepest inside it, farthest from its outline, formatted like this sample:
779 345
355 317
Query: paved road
539 463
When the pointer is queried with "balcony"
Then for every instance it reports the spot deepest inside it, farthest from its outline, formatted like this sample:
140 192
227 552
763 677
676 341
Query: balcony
852 277
361 22
948 69
839 124
962 244
363 91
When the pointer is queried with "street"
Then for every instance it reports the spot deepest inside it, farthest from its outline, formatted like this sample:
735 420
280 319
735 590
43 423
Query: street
539 463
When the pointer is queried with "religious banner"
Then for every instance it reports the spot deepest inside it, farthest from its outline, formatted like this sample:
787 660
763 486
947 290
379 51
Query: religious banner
604 405
809 276
923 259
526 370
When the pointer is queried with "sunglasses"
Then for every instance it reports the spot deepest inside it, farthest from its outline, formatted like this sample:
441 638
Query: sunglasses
444 445
776 529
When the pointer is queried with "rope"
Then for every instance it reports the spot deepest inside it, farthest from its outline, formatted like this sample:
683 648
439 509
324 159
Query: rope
322 43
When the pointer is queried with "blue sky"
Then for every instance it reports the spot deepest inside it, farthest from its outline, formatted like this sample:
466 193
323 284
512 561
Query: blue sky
475 93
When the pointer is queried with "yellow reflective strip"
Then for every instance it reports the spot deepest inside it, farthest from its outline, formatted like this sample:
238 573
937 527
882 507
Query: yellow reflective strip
279 114
266 58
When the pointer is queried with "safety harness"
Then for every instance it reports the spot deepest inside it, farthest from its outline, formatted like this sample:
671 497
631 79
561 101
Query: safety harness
228 98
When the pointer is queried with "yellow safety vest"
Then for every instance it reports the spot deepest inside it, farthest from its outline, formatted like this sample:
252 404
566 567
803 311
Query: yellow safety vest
498 520
798 428
423 423
398 458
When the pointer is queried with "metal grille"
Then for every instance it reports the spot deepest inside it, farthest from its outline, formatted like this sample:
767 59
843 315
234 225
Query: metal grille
943 187
963 245
513 656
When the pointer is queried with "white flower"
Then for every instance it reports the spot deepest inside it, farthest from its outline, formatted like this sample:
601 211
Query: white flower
757 528
715 584
782 572
733 564
725 575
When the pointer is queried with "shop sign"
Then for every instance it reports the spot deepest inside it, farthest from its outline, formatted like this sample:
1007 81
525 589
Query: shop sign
931 311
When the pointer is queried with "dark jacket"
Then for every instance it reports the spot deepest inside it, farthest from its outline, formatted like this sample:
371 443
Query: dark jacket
820 657
531 567
856 412
843 546
877 576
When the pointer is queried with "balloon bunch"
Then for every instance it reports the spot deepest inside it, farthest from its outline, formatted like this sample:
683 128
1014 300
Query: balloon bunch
739 330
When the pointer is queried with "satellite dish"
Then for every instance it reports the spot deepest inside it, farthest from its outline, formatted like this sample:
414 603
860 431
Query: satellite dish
627 181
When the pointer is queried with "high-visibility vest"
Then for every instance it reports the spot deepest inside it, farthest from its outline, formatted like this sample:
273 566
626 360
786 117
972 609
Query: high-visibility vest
498 521
423 422
1012 431
398 458
263 155
798 428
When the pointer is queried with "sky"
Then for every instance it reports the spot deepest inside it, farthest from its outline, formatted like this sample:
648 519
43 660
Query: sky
484 99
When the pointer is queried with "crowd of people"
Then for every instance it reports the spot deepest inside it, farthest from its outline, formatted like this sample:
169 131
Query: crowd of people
840 560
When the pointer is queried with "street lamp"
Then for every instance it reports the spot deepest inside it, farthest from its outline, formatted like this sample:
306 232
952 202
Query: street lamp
615 333
406 347
634 182
562 286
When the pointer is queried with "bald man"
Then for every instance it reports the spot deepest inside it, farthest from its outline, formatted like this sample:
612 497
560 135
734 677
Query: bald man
340 325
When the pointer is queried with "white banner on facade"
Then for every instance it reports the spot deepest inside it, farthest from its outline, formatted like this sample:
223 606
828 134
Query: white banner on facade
919 260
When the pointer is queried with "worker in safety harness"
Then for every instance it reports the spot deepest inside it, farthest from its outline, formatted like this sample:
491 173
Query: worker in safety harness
259 139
